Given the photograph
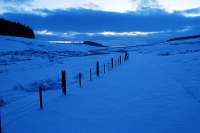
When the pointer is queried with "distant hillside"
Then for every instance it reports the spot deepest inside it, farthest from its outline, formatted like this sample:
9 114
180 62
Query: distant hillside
183 38
93 44
15 29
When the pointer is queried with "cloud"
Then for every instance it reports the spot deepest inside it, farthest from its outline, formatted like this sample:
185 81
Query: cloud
113 37
45 32
191 14
91 21
17 1
104 33
195 12
119 5
145 4
15 6
133 33
91 5
122 6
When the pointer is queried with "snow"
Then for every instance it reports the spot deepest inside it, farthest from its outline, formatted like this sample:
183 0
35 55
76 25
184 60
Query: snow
156 90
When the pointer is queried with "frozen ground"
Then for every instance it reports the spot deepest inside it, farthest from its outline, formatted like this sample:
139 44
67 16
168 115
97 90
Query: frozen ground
156 91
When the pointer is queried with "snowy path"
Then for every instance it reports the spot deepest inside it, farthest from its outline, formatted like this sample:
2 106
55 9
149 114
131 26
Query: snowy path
137 97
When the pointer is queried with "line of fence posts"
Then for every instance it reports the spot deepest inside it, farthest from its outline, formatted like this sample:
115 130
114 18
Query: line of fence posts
64 85
116 62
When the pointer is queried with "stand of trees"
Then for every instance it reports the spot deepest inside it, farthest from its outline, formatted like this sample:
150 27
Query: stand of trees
93 44
15 29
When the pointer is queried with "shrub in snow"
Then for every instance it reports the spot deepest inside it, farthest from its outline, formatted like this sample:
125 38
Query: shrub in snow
164 54
33 87
2 102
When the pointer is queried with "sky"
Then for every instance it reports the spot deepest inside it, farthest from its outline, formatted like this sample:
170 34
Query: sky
104 5
107 18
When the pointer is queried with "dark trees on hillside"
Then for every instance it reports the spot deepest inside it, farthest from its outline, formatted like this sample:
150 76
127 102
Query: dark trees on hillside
15 29
93 44
184 38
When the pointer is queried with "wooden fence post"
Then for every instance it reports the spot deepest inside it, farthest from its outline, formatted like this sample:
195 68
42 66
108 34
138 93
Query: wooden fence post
97 69
120 58
64 86
126 55
112 62
80 79
90 74
108 67
104 68
41 100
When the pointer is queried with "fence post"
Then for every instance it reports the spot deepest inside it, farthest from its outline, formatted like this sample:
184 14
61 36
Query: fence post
41 100
104 68
112 61
64 86
126 55
90 74
97 69
120 59
80 78
108 67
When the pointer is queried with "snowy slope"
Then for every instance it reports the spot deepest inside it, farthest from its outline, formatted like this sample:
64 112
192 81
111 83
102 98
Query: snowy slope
25 63
156 91
150 102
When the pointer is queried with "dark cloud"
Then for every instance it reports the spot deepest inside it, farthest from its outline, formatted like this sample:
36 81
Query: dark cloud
82 20
192 11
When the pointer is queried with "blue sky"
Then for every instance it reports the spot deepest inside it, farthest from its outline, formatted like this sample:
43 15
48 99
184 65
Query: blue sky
107 18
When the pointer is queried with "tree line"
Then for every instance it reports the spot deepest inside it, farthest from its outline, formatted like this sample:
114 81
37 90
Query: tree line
184 38
15 29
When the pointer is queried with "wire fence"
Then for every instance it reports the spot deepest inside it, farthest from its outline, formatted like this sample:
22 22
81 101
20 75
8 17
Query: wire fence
28 102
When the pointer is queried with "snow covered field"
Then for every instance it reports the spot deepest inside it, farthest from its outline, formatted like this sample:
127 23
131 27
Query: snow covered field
156 91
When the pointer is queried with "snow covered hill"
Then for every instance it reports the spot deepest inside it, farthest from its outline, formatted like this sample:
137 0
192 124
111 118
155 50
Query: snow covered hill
26 61
156 91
